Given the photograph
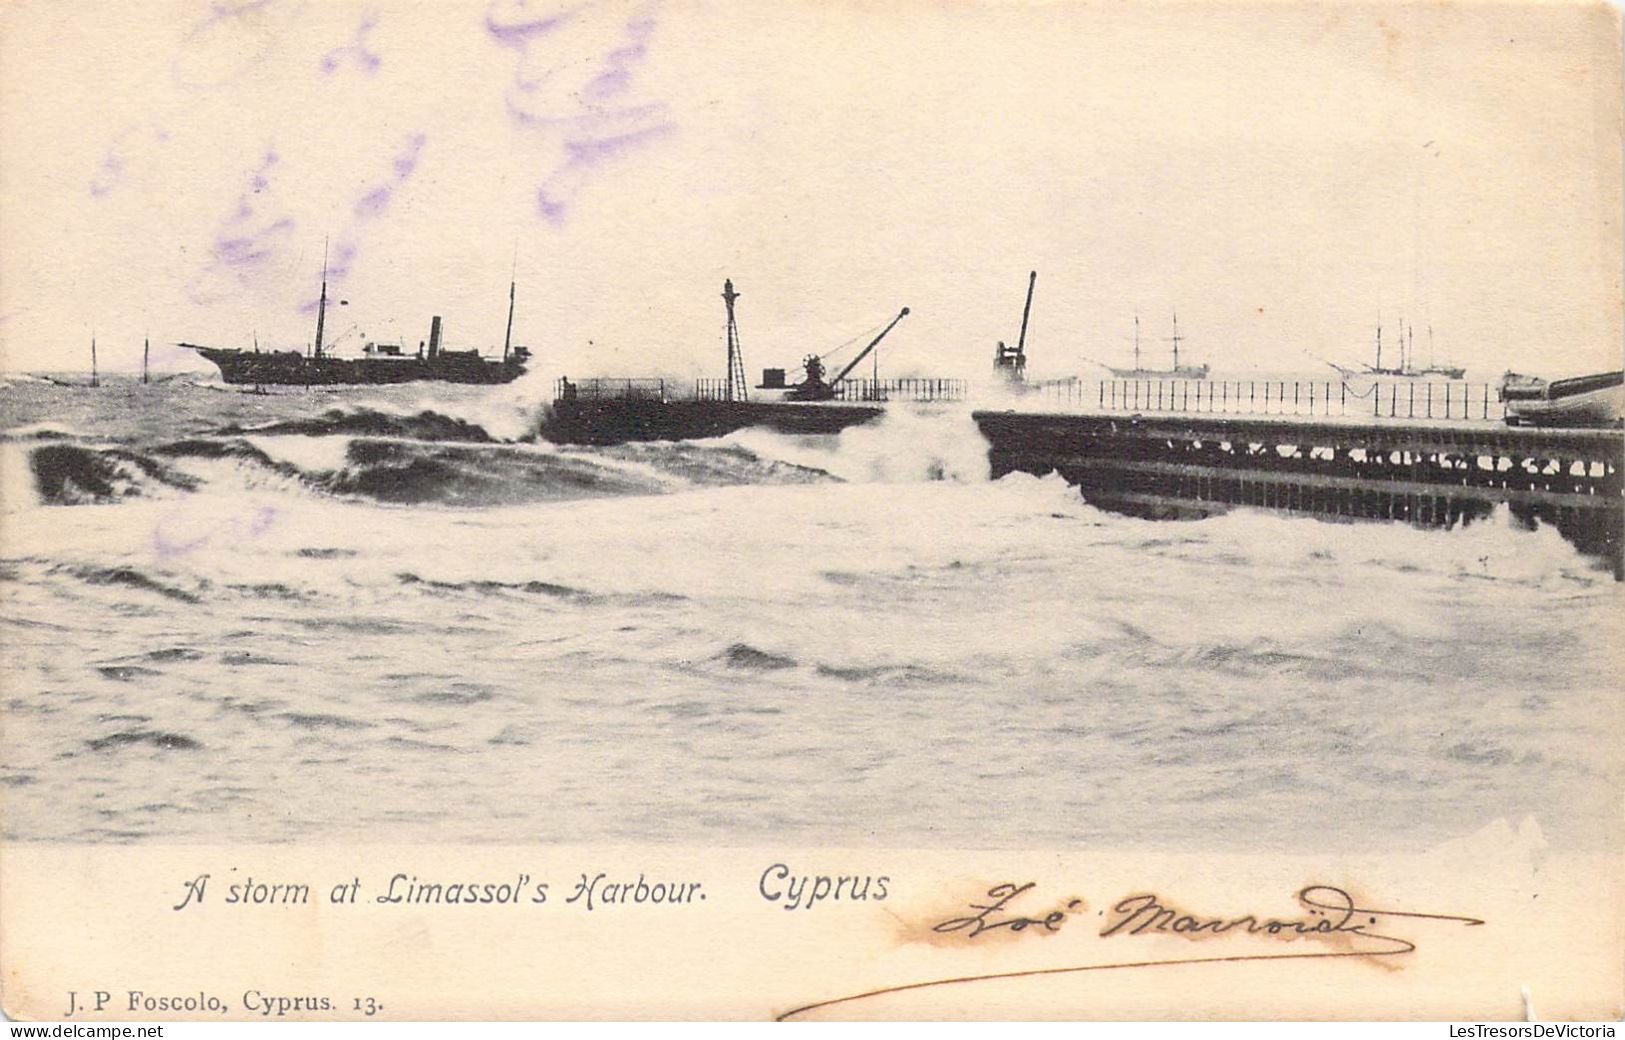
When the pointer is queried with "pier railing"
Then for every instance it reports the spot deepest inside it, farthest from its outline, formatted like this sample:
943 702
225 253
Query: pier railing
1407 399
913 390
655 389
908 390
614 389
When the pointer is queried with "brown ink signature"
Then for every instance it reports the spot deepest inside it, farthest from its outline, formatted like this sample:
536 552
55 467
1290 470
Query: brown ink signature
1327 912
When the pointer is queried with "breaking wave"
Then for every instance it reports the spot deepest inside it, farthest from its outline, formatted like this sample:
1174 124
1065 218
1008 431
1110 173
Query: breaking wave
44 431
369 422
130 578
67 474
465 470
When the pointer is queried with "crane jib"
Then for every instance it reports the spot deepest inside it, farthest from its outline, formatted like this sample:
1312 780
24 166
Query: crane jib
872 345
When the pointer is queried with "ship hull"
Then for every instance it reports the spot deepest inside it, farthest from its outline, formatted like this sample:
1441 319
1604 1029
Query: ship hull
1199 372
620 420
290 368
1413 373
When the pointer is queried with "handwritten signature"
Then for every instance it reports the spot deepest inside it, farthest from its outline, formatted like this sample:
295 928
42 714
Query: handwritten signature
1327 913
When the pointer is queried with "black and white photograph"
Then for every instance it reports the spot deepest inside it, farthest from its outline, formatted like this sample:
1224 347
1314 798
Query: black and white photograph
1148 429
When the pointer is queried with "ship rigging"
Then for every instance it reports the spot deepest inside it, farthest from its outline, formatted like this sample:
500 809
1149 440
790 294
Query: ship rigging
379 363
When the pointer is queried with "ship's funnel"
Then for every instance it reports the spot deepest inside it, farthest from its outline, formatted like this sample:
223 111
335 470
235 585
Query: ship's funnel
434 335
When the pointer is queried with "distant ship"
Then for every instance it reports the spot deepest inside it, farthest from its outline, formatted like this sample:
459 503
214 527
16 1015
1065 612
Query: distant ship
1178 371
379 363
1407 358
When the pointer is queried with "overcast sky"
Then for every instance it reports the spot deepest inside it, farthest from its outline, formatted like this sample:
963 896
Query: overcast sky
1282 175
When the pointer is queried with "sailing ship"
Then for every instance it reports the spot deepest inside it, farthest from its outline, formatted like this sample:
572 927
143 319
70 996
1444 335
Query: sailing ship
379 363
1406 368
1447 370
1178 371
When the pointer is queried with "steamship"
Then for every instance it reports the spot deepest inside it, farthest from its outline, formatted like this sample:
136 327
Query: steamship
379 363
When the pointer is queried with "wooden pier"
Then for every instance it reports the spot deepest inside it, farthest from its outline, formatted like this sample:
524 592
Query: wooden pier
1426 473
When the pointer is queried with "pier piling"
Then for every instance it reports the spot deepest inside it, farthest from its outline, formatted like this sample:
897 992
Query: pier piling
1183 465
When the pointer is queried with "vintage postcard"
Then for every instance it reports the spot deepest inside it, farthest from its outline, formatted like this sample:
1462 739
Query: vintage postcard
725 509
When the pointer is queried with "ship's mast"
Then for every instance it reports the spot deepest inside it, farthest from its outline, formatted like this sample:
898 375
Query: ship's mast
1136 343
737 388
1378 366
321 308
1175 341
513 279
509 337
93 380
146 356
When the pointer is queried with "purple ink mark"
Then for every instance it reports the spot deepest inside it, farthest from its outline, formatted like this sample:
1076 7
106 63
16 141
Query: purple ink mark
519 33
262 520
167 549
238 35
108 174
114 165
407 161
372 203
565 182
224 9
618 76
556 93
550 75
623 120
339 260
248 239
355 51
238 529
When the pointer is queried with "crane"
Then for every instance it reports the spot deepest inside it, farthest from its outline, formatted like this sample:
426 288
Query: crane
1012 363
813 388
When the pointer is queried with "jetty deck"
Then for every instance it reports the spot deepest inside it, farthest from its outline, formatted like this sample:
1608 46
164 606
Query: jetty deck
1437 473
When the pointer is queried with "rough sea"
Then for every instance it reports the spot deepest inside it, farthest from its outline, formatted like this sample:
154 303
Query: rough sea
391 615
